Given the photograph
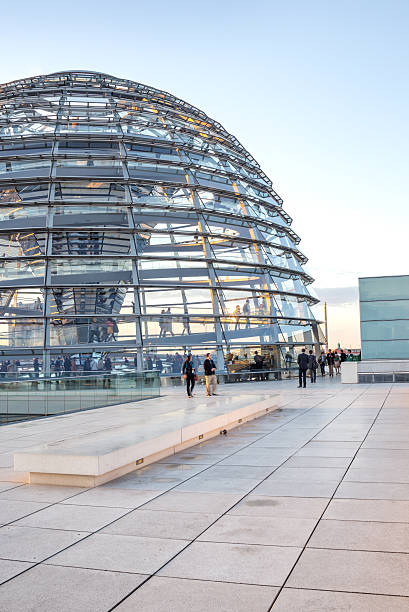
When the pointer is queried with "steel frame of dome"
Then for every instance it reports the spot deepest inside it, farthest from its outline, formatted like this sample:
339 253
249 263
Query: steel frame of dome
133 223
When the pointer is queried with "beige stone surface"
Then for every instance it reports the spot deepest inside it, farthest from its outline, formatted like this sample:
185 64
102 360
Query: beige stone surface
348 570
302 600
47 588
120 553
242 563
263 530
162 594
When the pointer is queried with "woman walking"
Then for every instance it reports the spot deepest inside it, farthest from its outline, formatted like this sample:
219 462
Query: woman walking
189 374
337 363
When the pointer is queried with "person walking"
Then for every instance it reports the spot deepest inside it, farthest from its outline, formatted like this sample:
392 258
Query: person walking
36 367
236 313
322 360
210 375
330 362
343 356
189 374
246 312
169 323
337 363
67 366
186 325
303 362
162 324
312 366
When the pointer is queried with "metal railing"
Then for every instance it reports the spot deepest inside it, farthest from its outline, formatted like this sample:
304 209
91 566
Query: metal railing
28 398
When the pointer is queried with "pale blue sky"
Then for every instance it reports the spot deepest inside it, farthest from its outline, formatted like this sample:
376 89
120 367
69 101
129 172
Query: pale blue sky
317 91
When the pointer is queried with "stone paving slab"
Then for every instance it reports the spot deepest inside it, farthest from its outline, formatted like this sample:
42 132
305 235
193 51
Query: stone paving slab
198 596
297 600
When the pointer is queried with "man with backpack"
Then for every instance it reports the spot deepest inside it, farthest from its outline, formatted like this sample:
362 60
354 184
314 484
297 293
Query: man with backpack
312 365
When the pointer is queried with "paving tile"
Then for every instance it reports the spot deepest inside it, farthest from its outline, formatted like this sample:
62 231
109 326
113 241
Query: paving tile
361 535
162 524
308 474
31 544
368 510
281 488
120 553
237 471
41 493
385 444
378 474
4 486
73 518
192 458
278 507
258 457
297 600
6 459
169 470
373 490
318 462
264 565
9 569
12 510
161 594
112 497
140 484
263 530
205 503
215 485
349 570
47 588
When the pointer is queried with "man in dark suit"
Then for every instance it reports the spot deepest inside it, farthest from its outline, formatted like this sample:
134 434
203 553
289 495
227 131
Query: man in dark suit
303 362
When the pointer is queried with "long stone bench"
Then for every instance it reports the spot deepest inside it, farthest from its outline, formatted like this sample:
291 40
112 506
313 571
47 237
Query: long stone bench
93 458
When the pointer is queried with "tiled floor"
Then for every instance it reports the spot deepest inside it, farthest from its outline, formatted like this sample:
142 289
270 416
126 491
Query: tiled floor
303 510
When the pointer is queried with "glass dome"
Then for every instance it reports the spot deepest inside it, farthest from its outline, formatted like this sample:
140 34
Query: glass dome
134 225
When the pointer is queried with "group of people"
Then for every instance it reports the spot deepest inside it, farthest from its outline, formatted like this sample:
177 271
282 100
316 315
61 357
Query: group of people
67 366
102 331
332 359
190 375
165 323
9 368
245 312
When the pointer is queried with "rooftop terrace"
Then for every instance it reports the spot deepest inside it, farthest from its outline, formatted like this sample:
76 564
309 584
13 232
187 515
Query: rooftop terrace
306 508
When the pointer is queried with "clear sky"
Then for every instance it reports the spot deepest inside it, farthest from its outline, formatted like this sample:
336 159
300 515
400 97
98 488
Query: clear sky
316 90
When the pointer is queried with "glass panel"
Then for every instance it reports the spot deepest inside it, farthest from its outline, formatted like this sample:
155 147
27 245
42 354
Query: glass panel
24 193
21 332
92 300
22 243
89 190
384 287
8 213
26 271
384 310
91 330
21 302
90 271
385 330
10 167
394 349
90 243
95 216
